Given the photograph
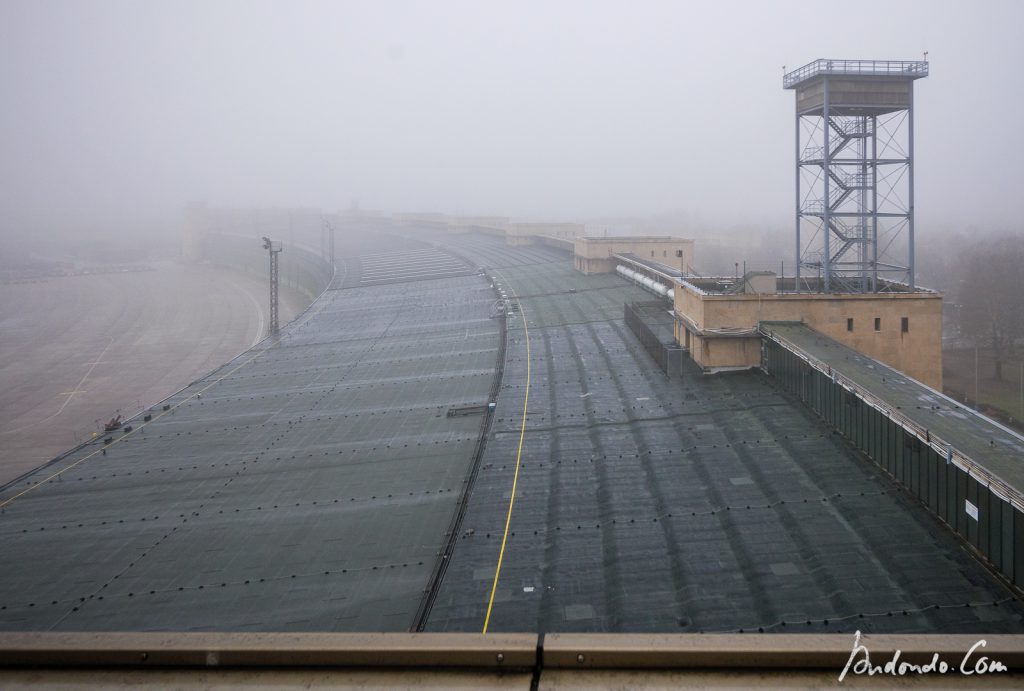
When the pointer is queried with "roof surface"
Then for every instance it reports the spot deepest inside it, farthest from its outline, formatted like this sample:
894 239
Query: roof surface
310 484
715 503
989 444
306 485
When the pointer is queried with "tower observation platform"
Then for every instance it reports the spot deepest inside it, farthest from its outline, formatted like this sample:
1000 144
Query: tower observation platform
855 171
858 87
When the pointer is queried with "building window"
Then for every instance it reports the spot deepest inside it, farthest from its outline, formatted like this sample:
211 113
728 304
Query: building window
904 324
652 253
878 323
849 323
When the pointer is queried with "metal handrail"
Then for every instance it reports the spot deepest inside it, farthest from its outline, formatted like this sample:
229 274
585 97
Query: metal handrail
851 126
913 69
836 144
993 482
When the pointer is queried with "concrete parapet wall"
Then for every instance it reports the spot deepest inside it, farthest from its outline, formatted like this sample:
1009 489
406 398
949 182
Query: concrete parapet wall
557 243
495 225
527 233
431 219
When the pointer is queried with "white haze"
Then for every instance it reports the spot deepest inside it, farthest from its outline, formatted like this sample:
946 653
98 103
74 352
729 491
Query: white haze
117 114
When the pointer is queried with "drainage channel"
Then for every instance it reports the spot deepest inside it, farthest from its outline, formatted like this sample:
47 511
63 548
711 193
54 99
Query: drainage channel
455 528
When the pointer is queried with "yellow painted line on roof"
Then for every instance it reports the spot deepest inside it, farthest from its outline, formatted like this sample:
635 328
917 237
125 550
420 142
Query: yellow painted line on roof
515 476
135 429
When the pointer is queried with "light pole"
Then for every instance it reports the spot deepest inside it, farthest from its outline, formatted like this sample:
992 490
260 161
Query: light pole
329 229
274 248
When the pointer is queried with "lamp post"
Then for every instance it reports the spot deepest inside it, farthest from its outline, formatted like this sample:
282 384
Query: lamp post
329 229
274 248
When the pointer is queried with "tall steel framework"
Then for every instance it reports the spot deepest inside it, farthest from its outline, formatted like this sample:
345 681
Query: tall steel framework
855 174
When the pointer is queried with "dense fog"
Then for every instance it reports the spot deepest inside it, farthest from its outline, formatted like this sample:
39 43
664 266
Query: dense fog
658 115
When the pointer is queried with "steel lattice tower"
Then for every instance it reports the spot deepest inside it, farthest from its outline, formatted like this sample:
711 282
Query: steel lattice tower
854 173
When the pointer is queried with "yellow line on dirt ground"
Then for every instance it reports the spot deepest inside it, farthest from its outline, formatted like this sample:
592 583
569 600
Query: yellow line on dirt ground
134 430
519 454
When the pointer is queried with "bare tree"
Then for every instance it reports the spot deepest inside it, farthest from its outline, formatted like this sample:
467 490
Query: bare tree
992 295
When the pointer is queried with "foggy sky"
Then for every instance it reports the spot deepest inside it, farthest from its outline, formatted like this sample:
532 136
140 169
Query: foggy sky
115 114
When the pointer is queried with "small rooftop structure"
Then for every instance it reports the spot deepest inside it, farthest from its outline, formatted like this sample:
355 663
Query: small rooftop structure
603 254
717 320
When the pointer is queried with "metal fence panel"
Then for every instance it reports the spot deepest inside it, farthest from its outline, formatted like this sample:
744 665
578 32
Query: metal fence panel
995 531
951 498
998 531
959 508
1018 548
1008 551
653 328
932 462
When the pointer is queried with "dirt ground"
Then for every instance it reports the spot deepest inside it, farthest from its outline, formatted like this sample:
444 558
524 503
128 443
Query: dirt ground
1001 397
76 350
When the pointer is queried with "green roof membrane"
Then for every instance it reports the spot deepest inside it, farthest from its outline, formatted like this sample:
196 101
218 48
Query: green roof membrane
307 485
714 503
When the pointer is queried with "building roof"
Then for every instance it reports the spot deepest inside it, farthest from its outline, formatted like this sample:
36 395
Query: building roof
707 504
983 442
306 485
317 483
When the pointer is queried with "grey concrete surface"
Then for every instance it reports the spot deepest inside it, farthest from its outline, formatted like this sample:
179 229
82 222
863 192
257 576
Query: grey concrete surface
391 680
76 350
